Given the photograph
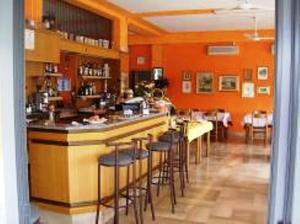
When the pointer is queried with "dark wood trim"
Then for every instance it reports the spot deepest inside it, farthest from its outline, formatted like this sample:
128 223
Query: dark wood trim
95 142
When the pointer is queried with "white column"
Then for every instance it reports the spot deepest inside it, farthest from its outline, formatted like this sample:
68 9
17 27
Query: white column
9 213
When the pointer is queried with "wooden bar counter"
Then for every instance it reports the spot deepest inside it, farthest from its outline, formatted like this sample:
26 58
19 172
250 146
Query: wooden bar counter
63 160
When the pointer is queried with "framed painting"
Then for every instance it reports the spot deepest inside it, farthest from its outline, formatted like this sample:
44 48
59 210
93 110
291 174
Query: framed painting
186 86
158 73
229 83
186 75
264 90
248 90
204 82
262 73
248 75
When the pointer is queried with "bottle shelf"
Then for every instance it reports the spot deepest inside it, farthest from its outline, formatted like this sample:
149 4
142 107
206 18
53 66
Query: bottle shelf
55 98
90 97
47 74
94 77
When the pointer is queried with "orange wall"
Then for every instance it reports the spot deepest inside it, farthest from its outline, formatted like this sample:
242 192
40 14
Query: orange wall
179 57
137 51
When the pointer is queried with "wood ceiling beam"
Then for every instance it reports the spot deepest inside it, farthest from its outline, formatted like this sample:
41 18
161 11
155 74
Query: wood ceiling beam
198 37
111 11
175 12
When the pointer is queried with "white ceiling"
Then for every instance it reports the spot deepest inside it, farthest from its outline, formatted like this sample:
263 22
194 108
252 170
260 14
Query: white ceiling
200 22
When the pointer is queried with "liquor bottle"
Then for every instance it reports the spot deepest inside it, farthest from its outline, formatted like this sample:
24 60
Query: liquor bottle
80 70
86 70
90 70
94 88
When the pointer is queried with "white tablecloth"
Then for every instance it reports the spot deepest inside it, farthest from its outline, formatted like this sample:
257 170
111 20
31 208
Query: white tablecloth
257 122
224 117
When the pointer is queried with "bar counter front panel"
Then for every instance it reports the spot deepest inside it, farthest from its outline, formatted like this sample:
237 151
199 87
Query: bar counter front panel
63 162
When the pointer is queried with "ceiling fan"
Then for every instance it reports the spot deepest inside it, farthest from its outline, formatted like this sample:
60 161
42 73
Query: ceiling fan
255 35
245 6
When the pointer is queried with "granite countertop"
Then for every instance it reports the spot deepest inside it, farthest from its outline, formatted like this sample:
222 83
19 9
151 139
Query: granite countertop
44 125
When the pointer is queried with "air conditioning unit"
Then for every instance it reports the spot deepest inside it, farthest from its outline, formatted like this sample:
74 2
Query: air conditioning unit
223 50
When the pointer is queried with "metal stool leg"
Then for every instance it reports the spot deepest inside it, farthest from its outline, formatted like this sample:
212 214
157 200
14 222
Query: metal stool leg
127 190
99 194
134 194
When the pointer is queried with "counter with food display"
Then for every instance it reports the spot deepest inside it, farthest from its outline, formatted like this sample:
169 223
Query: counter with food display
63 159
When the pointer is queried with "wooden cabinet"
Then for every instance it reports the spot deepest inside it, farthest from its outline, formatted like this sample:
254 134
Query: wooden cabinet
75 47
46 47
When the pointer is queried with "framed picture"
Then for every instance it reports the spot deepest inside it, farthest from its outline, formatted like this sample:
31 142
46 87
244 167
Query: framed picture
248 75
262 73
186 86
140 60
264 90
229 83
186 75
158 73
248 90
63 84
204 82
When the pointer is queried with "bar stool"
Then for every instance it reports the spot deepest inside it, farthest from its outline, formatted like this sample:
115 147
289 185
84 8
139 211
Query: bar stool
166 149
180 162
117 160
140 155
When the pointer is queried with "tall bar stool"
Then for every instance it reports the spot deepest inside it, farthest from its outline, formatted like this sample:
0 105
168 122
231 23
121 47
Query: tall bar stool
180 157
117 160
141 154
166 150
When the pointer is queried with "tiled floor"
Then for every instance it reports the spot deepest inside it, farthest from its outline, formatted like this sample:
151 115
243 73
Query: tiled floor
229 187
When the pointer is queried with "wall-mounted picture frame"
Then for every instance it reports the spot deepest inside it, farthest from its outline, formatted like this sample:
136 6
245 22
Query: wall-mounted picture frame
204 82
187 75
186 87
140 60
229 83
64 85
262 73
248 75
264 90
157 73
248 90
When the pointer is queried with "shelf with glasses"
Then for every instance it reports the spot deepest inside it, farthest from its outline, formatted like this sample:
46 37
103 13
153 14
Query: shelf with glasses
89 97
94 77
48 74
55 98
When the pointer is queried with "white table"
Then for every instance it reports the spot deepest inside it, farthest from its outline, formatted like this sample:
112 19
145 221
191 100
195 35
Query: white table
257 122
225 117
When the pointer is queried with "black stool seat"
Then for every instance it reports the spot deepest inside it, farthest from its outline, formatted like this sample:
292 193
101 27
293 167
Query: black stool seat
139 153
159 146
109 160
167 137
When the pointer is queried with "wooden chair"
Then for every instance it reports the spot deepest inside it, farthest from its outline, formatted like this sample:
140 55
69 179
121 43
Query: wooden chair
186 113
218 127
259 128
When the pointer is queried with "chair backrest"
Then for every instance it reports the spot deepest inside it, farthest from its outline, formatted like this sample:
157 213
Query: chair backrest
184 113
212 114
